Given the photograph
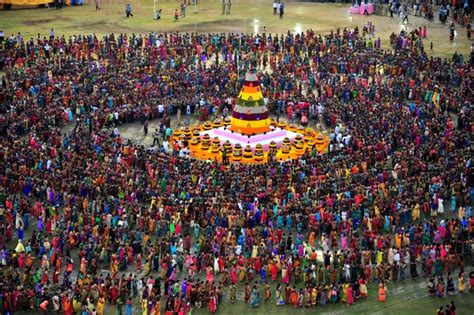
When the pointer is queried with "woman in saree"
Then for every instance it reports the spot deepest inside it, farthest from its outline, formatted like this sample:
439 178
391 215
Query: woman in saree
254 297
279 295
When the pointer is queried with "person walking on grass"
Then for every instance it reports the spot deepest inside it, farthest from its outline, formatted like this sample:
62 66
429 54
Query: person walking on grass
97 7
128 10
176 15
451 32
405 17
223 6
282 9
366 12
183 9
158 15
229 4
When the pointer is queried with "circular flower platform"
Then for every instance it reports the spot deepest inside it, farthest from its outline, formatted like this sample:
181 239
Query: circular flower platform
250 135
282 142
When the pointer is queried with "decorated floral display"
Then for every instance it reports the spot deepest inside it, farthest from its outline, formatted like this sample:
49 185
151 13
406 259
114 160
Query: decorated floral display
250 115
250 135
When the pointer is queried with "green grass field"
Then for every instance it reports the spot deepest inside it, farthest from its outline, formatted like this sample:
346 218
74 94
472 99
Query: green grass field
407 297
246 16
410 297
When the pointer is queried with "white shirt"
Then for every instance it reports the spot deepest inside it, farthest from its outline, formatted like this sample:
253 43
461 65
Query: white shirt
238 250
320 109
108 220
396 257
166 146
346 139
56 303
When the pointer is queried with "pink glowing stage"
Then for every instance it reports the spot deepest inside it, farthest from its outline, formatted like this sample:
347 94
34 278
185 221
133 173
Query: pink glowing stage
275 134
360 9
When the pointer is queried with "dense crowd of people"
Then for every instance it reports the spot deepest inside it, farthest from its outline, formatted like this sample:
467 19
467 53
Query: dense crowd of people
89 218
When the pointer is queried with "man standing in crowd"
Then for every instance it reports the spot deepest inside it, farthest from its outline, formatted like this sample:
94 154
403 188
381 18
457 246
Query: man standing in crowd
156 137
145 128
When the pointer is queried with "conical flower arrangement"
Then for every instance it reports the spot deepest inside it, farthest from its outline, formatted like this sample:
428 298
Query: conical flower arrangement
250 115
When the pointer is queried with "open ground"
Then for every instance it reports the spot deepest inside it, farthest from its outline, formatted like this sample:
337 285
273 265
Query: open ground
248 16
